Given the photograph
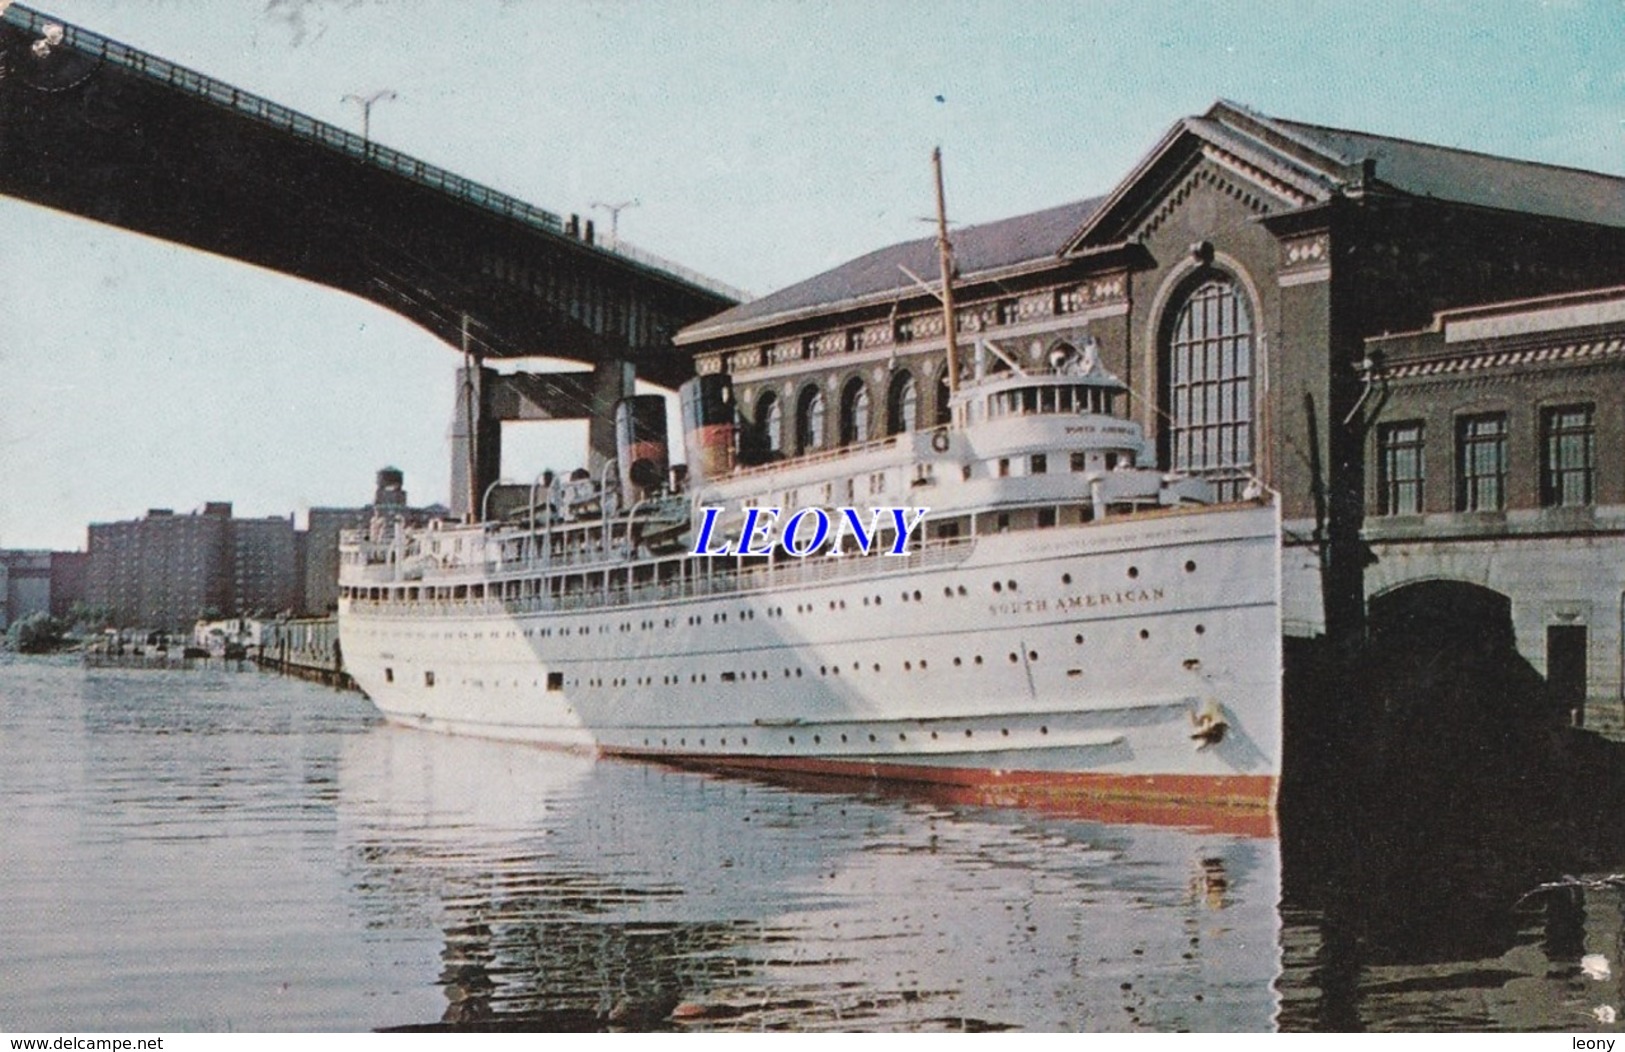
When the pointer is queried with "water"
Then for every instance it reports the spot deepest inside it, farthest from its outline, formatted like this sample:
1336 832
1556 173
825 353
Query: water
211 850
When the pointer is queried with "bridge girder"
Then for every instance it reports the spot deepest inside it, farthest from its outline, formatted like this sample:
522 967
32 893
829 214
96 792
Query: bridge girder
96 129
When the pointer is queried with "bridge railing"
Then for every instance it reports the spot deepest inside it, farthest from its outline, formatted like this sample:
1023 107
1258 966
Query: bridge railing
262 109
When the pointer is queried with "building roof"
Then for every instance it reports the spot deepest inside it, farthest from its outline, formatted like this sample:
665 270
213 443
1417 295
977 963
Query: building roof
1464 176
981 249
1304 163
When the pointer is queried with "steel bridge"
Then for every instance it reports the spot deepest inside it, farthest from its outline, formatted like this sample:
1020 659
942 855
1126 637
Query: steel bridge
98 129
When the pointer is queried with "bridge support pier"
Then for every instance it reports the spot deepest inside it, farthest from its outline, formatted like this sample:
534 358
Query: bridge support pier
485 398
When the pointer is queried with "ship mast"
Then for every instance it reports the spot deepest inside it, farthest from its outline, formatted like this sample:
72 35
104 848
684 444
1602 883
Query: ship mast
945 261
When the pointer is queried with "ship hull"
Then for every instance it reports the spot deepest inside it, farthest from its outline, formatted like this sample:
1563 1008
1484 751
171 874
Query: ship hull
1135 659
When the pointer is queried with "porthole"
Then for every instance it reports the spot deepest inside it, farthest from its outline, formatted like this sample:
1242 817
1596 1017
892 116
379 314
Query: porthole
916 597
967 732
1004 732
1014 657
902 737
957 662
947 592
792 739
1010 585
1190 566
871 737
1043 730
1133 571
843 738
1145 633
818 740
1201 629
1066 578
961 590
1032 655
1078 639
978 659
877 666
997 587
908 666
933 735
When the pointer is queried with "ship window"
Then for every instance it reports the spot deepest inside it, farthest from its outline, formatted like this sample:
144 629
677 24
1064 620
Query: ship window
1040 464
428 679
944 411
389 675
1046 518
809 419
901 404
854 412
555 681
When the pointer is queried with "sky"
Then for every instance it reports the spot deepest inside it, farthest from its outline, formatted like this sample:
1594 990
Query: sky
763 141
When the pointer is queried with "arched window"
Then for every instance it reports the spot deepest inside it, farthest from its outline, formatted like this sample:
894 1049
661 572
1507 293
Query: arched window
854 412
809 419
1207 385
944 412
770 422
902 412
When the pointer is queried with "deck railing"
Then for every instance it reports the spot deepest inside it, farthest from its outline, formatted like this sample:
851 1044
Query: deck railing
817 569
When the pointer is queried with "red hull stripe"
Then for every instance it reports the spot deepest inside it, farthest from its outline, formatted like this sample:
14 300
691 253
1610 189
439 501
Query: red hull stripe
1240 804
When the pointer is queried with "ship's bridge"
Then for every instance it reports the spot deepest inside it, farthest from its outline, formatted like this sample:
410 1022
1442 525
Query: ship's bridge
1070 406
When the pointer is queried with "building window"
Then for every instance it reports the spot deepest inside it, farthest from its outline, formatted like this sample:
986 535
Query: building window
1481 462
1568 455
1399 468
1208 387
770 422
902 410
854 412
809 419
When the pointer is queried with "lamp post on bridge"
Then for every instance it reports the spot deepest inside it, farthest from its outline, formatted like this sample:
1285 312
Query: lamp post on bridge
366 103
615 211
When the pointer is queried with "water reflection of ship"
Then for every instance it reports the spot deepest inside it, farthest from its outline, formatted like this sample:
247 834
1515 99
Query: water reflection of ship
571 894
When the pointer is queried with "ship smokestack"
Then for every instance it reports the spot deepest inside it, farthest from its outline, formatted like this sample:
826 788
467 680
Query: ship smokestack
640 442
708 426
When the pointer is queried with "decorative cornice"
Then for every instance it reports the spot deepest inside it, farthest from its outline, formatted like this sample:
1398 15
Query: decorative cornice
1181 193
1583 353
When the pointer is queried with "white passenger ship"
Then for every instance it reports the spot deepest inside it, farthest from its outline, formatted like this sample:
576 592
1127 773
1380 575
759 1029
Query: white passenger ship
1068 623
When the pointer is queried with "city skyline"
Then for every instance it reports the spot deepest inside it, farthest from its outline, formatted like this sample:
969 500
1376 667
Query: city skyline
140 374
